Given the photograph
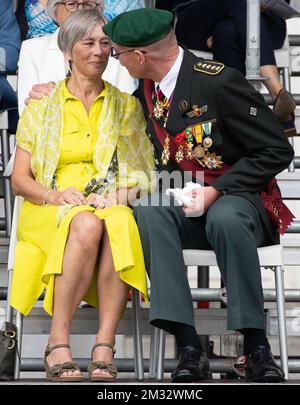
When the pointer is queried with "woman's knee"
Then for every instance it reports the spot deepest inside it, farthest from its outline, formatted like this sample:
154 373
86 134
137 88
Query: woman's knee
86 228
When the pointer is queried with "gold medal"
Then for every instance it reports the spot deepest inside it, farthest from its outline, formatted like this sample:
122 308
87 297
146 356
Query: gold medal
212 161
158 110
165 156
199 152
207 142
189 150
199 161
179 154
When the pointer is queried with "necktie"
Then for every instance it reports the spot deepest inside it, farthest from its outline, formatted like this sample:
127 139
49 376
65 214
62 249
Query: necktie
159 94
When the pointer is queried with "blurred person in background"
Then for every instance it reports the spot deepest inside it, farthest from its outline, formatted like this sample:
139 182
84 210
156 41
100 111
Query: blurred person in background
220 26
41 60
10 42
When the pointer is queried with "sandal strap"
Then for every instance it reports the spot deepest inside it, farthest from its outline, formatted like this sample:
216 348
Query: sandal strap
58 369
49 348
101 365
105 345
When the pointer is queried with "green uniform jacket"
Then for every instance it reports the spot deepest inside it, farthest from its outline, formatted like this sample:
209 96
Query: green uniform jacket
246 133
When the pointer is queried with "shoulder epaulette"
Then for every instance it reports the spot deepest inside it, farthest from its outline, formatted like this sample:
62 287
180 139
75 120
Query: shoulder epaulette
209 67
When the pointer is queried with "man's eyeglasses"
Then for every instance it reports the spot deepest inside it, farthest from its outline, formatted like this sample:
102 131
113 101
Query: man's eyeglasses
73 5
116 55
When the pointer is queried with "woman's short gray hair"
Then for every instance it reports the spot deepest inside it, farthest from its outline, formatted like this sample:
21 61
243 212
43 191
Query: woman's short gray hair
52 4
78 25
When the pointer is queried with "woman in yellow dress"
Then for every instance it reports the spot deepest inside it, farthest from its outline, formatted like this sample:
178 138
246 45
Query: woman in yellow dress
82 154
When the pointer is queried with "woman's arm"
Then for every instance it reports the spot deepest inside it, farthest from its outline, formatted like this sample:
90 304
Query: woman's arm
24 184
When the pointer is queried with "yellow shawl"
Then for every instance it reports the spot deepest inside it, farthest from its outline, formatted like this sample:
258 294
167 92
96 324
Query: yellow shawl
121 128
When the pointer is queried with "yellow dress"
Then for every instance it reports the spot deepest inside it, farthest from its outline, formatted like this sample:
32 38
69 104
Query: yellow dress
41 241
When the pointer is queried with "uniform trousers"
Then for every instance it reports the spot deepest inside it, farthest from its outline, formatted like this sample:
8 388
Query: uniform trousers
233 229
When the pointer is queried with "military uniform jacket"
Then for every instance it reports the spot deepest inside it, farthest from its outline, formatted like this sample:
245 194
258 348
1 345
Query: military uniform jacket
245 132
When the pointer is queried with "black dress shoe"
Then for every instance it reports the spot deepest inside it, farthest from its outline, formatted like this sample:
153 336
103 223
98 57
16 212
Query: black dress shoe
192 366
261 366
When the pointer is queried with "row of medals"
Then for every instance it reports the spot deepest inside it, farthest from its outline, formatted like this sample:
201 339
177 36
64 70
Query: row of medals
186 138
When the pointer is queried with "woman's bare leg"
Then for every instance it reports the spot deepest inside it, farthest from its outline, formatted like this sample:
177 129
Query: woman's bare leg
273 85
112 296
78 266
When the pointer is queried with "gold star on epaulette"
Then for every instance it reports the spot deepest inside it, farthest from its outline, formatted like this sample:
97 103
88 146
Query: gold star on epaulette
209 67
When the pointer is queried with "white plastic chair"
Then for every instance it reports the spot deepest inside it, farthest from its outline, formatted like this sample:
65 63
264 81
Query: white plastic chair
137 336
269 256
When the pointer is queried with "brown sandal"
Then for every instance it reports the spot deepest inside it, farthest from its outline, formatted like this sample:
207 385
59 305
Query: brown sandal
54 373
102 365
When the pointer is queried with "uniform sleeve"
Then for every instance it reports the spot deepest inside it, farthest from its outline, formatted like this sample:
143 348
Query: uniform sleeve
255 130
134 150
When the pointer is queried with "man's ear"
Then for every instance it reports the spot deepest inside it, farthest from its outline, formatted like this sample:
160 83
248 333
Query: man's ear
140 56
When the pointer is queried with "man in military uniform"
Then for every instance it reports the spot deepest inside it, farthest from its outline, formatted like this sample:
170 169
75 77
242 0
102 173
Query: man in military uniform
206 119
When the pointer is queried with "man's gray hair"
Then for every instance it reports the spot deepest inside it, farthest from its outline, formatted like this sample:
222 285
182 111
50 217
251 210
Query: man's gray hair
51 7
78 25
52 4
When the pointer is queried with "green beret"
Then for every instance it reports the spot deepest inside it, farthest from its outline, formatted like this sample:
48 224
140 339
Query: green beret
139 27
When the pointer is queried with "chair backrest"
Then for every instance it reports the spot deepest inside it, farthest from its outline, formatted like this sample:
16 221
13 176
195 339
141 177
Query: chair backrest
3 120
202 54
282 55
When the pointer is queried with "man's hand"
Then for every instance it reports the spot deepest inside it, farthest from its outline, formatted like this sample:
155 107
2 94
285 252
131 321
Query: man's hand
209 42
39 90
203 198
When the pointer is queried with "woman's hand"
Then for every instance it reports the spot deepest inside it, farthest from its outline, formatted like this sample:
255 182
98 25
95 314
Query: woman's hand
102 201
70 196
97 201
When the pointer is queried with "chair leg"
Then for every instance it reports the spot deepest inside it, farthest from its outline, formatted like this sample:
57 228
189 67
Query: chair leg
153 353
137 337
19 325
279 282
9 310
161 354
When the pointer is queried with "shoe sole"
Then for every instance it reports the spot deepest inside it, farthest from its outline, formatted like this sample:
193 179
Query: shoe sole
267 378
188 378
